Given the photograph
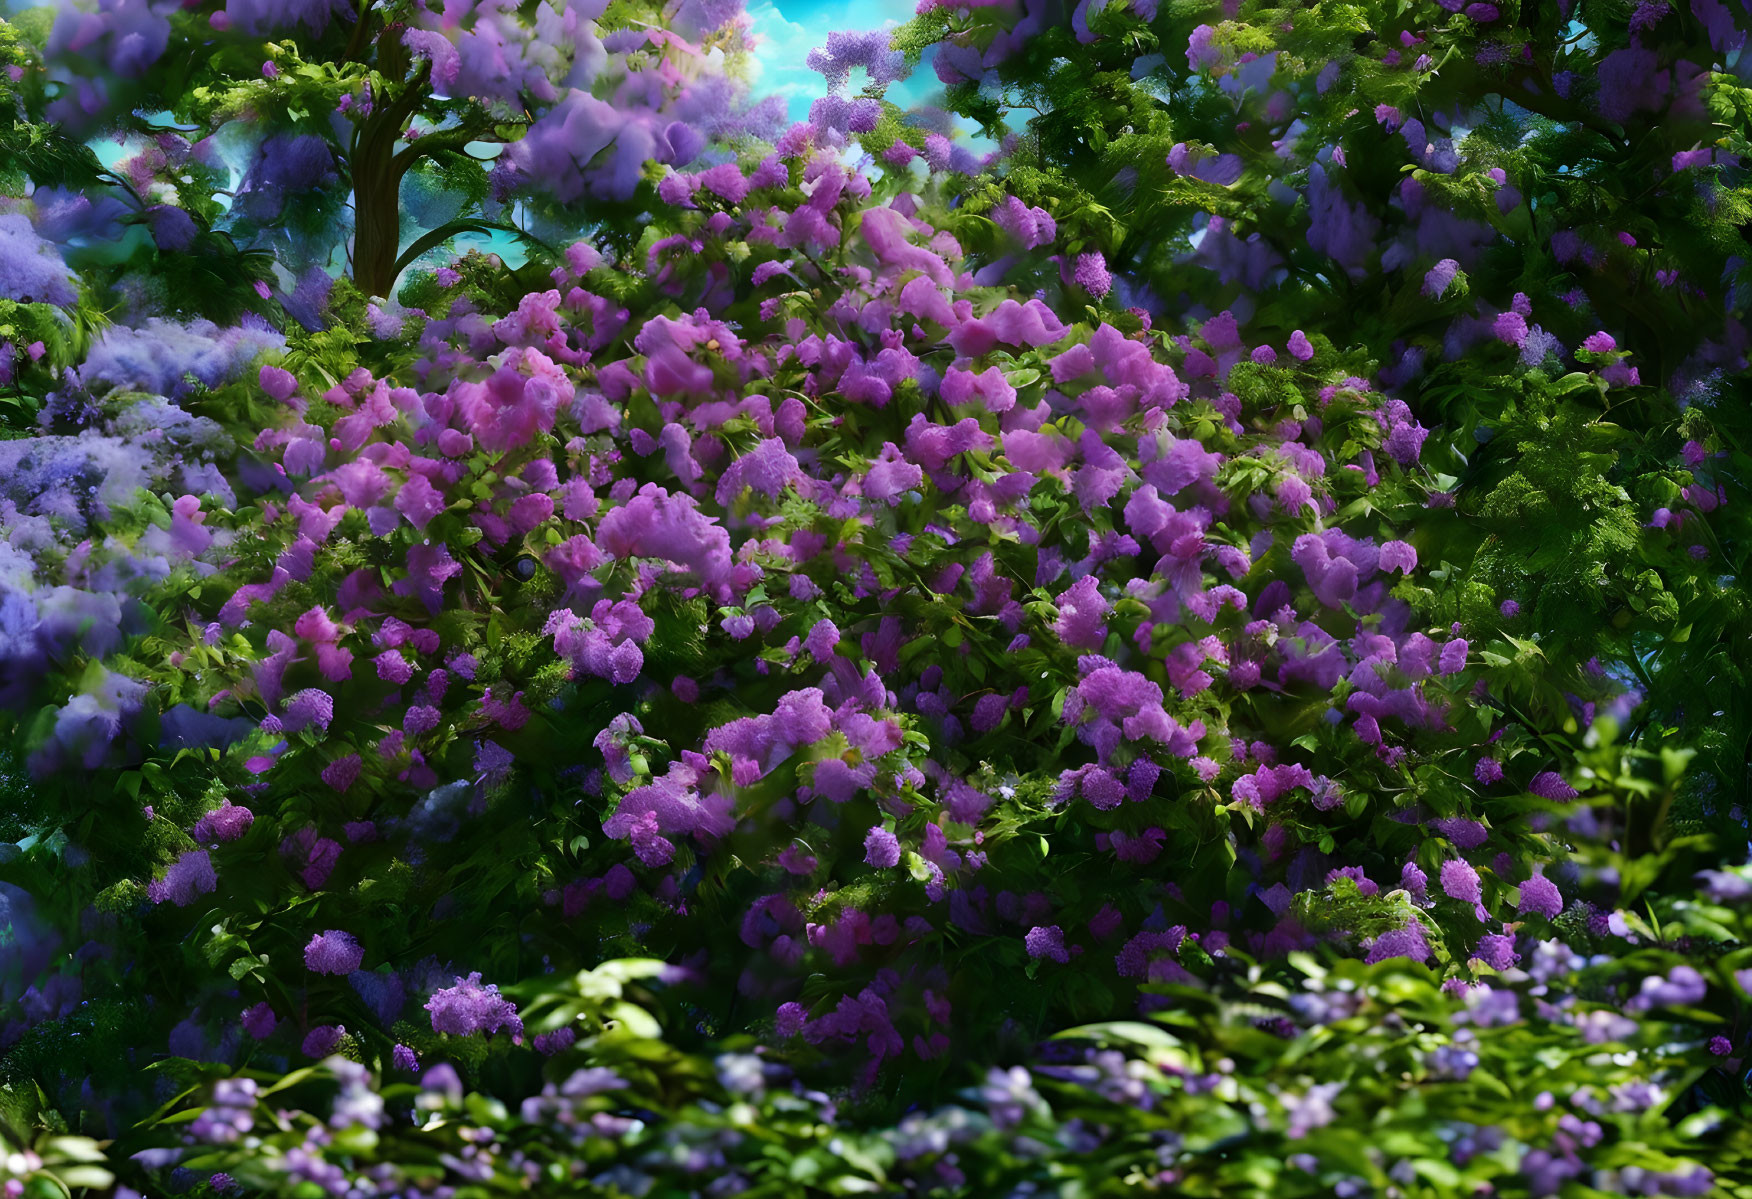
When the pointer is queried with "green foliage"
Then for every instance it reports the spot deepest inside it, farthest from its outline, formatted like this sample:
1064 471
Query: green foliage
1578 538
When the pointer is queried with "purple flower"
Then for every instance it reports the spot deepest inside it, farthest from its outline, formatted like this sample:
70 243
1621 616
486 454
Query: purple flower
1365 885
823 637
1398 555
592 1080
768 468
1032 227
1682 987
1460 881
428 568
1292 491
443 1077
899 154
259 1021
989 711
1405 437
87 725
312 856
31 269
333 952
549 1043
1496 951
881 849
1202 51
655 524
224 823
1630 80
189 876
1467 834
404 1059
1440 278
323 1040
342 772
1510 327
1549 784
285 165
492 761
308 707
1047 942
470 1007
421 718
768 270
1540 897
173 229
1091 274
1083 614
1724 886
791 1019
1407 942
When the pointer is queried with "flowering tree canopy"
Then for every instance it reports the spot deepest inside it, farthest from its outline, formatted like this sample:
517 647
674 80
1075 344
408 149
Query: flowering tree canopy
1195 644
433 121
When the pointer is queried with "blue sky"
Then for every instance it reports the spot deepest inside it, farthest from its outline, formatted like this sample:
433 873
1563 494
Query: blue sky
792 28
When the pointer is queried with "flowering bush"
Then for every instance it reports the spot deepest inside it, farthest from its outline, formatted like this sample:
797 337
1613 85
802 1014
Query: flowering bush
384 104
881 678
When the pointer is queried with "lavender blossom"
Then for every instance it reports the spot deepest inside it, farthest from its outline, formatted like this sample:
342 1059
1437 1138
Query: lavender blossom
333 952
470 1007
31 270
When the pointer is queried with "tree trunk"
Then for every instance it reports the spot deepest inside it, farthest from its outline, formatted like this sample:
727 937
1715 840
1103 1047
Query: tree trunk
377 176
377 223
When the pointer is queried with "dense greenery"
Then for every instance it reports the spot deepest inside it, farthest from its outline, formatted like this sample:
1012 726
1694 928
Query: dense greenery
1201 651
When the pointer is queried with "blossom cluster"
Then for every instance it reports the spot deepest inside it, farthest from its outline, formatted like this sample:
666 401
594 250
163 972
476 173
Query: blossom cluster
866 594
1140 517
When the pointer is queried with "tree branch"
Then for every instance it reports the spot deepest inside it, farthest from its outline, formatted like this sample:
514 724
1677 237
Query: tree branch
445 232
431 144
355 42
396 114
